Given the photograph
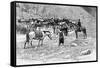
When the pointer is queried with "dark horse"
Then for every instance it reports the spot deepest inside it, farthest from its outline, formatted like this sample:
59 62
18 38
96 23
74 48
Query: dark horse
80 28
74 27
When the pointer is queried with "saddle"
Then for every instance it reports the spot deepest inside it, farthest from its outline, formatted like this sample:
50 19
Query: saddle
38 35
79 29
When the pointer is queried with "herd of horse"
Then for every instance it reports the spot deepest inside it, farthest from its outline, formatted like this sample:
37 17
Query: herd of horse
62 25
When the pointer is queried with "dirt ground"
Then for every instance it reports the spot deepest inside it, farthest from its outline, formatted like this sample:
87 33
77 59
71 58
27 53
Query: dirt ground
73 50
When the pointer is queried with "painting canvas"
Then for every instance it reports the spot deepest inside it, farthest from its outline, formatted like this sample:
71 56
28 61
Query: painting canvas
50 33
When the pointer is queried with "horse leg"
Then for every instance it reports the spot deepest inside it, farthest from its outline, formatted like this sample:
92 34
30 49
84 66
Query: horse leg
59 44
31 42
39 43
25 45
76 34
85 33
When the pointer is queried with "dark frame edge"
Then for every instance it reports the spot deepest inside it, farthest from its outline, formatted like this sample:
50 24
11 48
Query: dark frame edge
12 34
55 3
97 33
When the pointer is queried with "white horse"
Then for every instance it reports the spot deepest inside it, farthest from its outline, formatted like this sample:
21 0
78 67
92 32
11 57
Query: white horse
38 35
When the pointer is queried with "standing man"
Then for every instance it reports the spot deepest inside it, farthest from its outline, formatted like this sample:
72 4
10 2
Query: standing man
61 38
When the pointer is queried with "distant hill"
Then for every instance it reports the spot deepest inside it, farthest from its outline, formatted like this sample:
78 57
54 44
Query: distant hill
88 18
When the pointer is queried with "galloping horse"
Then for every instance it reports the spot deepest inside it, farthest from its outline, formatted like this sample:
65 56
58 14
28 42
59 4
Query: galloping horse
37 35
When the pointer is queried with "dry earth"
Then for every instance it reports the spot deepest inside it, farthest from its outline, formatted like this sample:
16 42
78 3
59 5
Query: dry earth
73 50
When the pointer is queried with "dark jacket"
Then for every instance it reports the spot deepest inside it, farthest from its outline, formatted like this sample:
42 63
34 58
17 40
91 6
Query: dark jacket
79 24
61 37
